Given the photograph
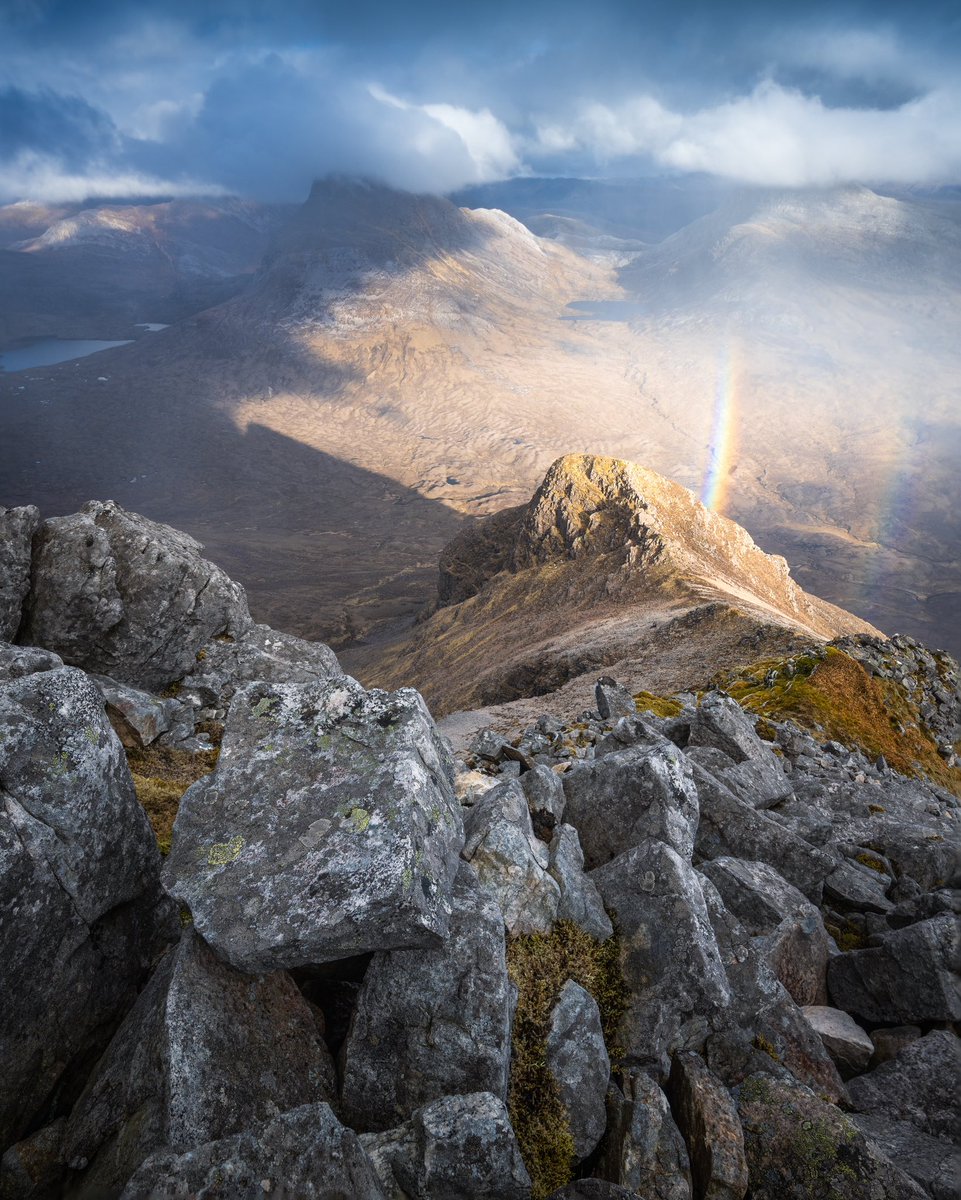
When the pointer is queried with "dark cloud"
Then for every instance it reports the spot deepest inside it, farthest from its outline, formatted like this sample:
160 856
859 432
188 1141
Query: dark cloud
260 99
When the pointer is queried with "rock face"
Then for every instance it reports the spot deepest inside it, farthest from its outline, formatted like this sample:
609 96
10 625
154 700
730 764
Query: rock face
206 1052
115 593
17 527
305 1153
328 829
80 902
432 1023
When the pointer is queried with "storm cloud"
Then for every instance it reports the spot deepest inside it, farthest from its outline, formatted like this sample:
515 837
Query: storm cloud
126 99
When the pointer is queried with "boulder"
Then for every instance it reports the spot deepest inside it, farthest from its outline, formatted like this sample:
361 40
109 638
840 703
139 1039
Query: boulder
429 1023
622 799
888 1043
126 597
933 1163
580 901
259 654
852 886
759 781
17 527
138 717
458 1148
305 1152
328 829
720 722
801 1148
643 1149
912 976
82 915
545 799
842 1037
205 1052
34 1169
731 827
669 955
577 1059
613 700
918 1085
708 1121
17 661
797 951
510 861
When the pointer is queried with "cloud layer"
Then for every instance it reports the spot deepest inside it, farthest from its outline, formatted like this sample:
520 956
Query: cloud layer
119 99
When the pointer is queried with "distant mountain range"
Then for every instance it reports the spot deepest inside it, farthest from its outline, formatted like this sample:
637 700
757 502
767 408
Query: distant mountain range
397 366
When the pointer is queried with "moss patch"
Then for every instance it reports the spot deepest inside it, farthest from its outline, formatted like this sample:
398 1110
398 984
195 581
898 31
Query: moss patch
831 695
660 706
540 965
161 775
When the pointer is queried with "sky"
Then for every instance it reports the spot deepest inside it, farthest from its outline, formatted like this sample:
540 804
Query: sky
118 98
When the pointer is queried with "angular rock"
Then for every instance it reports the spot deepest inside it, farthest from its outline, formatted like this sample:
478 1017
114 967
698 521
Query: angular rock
720 722
643 1149
328 829
759 781
798 951
429 1023
205 1052
124 596
17 661
669 955
577 1059
620 800
613 699
912 976
81 911
138 717
931 1162
919 1085
510 861
801 1148
305 1153
762 1028
852 886
708 1120
580 901
17 527
842 1036
458 1148
545 799
260 654
733 828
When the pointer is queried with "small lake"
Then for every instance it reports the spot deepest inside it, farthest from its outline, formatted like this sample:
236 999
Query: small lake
47 351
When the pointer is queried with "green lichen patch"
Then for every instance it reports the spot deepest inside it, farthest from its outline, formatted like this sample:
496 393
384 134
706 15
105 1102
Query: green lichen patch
222 853
540 965
359 818
263 706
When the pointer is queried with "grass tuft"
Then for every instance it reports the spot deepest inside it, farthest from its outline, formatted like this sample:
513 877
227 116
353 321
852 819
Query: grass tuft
161 775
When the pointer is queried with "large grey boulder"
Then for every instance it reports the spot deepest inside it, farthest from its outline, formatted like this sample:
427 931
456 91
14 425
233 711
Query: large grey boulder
913 975
707 1118
458 1148
643 1149
430 1023
731 827
17 527
81 911
545 798
118 594
932 1162
613 699
841 1035
206 1052
510 861
721 723
622 799
305 1153
580 901
670 958
261 653
918 1085
329 828
577 1059
801 1148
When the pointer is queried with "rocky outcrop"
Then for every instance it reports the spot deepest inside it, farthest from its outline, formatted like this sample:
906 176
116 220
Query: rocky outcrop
17 527
82 911
328 829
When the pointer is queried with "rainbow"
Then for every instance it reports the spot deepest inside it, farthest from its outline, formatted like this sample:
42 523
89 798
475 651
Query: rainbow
714 490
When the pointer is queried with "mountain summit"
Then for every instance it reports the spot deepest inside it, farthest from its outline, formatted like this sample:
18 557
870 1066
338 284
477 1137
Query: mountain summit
608 562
